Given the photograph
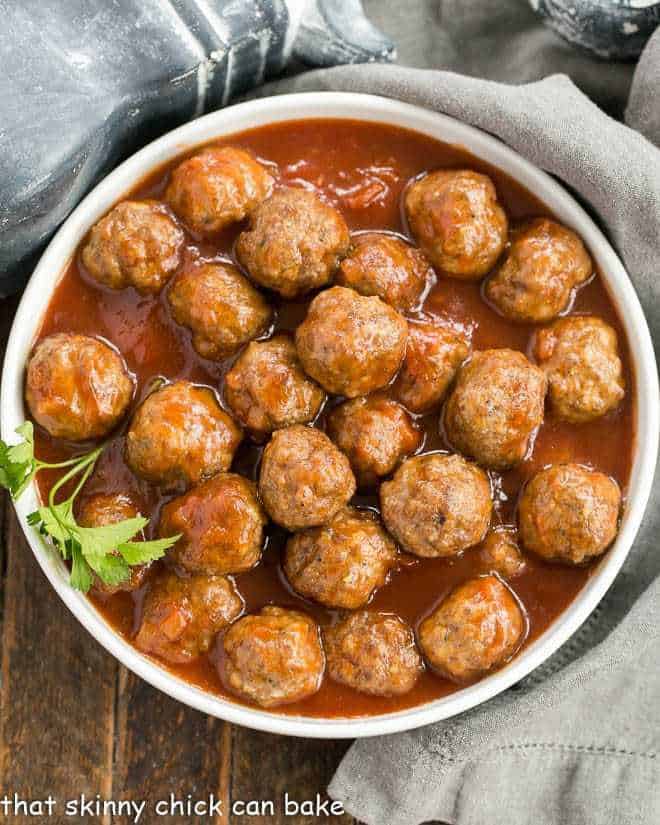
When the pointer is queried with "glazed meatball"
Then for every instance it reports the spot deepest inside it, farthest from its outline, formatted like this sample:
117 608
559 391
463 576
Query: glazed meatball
374 653
478 627
535 281
433 356
221 525
180 435
500 553
136 244
99 511
220 306
385 266
579 356
274 657
568 513
437 505
350 344
182 616
267 389
217 187
294 243
456 219
495 407
304 479
376 433
342 563
77 387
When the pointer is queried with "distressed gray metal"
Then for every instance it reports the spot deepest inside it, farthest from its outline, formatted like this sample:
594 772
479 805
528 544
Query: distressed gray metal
611 29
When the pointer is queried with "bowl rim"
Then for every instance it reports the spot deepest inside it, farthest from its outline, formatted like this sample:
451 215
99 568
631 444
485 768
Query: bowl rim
352 106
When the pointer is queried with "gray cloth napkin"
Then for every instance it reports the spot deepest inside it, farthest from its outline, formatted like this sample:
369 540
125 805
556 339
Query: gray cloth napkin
576 742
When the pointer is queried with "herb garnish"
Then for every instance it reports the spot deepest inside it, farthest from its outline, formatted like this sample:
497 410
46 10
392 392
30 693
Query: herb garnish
108 551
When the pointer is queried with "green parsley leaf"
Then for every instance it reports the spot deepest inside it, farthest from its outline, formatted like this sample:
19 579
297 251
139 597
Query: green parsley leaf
81 575
143 552
108 550
17 463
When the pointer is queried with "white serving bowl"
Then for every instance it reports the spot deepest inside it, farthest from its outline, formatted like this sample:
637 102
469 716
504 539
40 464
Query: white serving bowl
369 108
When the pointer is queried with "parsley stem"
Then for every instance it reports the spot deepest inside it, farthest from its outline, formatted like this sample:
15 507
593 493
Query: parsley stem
88 461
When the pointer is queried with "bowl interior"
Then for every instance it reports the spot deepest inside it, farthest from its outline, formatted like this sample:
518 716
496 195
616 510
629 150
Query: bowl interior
360 107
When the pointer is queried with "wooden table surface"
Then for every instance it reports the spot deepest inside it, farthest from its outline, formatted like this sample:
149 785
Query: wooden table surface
73 721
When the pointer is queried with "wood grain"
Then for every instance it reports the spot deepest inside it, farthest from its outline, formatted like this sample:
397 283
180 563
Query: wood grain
58 688
164 748
265 767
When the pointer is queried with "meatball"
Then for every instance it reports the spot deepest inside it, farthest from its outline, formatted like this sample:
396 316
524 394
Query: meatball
568 513
99 511
267 389
304 479
535 281
294 243
350 344
136 244
220 306
217 187
221 525
180 435
374 653
456 219
580 358
437 505
495 407
274 657
385 266
376 433
77 387
500 553
342 563
478 627
182 616
433 356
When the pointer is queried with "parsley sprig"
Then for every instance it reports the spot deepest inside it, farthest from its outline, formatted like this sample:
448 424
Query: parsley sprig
109 551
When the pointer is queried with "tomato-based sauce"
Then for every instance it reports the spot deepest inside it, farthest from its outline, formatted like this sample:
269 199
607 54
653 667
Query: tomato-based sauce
362 169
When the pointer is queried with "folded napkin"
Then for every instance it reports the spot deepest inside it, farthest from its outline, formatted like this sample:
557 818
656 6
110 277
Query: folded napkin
576 742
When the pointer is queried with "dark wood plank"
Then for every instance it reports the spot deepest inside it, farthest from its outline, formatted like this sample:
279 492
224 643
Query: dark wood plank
163 748
265 767
58 691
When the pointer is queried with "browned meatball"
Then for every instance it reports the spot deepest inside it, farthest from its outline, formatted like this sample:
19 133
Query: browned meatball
568 513
77 387
579 356
221 525
433 356
294 243
437 505
374 653
136 244
182 616
376 433
304 479
385 266
499 553
542 267
180 435
217 187
267 389
99 511
478 627
220 306
350 344
342 563
495 407
457 221
274 657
